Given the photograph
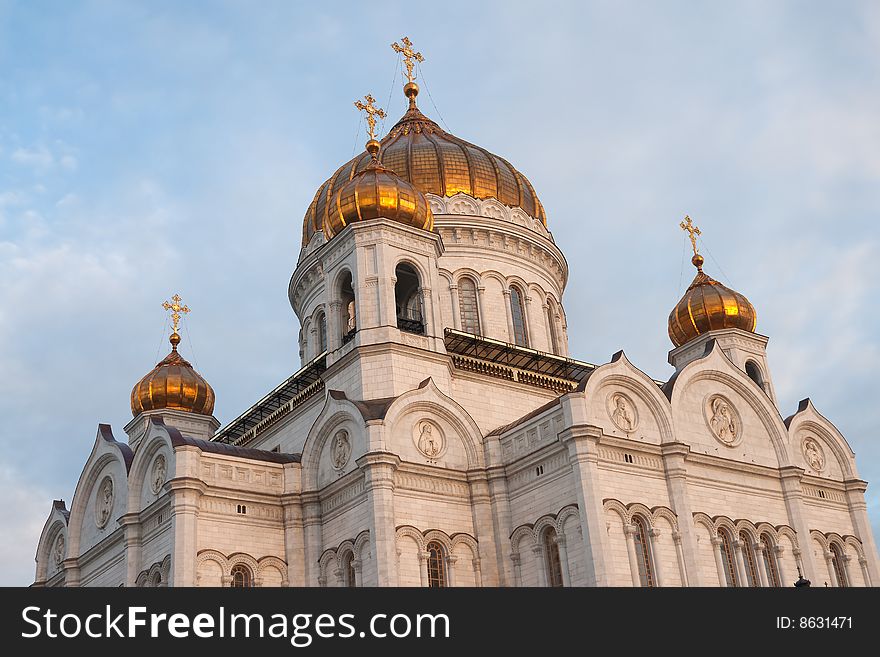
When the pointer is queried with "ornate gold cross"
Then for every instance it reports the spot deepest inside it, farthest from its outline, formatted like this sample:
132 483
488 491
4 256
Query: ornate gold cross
176 308
372 112
692 231
408 56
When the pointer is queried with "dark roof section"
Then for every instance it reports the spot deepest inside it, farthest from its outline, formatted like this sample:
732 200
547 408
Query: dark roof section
62 507
525 418
371 409
282 394
669 385
802 406
179 440
504 353
106 433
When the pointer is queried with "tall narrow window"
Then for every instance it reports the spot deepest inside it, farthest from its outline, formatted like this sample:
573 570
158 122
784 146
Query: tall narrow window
517 313
348 320
727 557
551 558
837 564
751 563
551 328
348 571
322 334
242 577
467 306
643 552
408 299
770 560
436 565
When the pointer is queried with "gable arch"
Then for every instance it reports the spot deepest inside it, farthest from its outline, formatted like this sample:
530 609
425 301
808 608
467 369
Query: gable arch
337 412
157 441
55 526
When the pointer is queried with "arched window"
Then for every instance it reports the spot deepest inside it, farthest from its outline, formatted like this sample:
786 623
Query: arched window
467 306
348 320
436 565
348 570
408 299
551 558
837 564
322 334
754 373
751 563
770 560
727 557
643 552
518 315
242 577
551 327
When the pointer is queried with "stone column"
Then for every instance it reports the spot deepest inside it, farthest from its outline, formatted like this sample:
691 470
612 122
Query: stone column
741 577
674 462
541 567
500 513
515 559
630 531
510 335
186 493
844 566
340 580
131 526
866 573
530 322
312 536
793 495
451 560
481 304
356 566
778 550
829 563
563 559
428 310
658 568
481 512
761 565
718 544
70 566
456 309
335 326
478 573
423 567
679 555
582 442
858 513
379 468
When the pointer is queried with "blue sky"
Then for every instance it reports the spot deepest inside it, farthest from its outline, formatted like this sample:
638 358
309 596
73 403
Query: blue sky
148 148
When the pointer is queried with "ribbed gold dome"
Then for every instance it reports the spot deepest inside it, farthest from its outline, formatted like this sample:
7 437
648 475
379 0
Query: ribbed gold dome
377 192
436 162
174 384
707 305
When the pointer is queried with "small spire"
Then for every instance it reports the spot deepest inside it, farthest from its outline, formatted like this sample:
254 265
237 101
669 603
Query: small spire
372 112
693 230
176 307
410 89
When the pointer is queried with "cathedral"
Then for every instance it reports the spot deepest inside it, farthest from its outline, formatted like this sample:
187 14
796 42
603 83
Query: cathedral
438 432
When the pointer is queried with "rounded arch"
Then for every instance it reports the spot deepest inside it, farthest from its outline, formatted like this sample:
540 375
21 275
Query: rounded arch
749 528
335 414
95 470
639 509
414 264
667 514
439 536
497 276
830 440
789 533
819 537
755 372
716 367
619 508
413 533
542 525
272 562
467 272
154 443
564 514
723 522
429 399
465 539
345 548
856 545
523 532
362 540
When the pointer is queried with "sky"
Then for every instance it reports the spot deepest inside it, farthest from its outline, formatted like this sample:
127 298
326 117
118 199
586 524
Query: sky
148 148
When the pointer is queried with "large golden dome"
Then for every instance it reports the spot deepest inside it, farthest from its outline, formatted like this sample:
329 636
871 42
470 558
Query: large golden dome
174 384
436 162
377 192
707 305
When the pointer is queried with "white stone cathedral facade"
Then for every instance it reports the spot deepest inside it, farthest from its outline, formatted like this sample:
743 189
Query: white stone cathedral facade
439 434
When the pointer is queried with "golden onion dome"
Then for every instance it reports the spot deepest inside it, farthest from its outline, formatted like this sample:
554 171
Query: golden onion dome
707 305
377 192
436 162
173 384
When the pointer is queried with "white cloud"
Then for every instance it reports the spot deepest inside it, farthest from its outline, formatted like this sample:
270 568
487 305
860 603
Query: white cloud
39 158
68 162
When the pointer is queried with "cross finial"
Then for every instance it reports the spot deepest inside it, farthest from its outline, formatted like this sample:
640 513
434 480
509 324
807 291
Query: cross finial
408 56
176 307
372 112
688 226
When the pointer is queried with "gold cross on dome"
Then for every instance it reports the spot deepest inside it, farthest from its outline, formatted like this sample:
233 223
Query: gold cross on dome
176 308
408 56
372 112
692 231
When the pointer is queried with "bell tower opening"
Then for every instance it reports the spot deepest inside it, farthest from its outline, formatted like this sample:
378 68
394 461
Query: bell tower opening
348 319
408 300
